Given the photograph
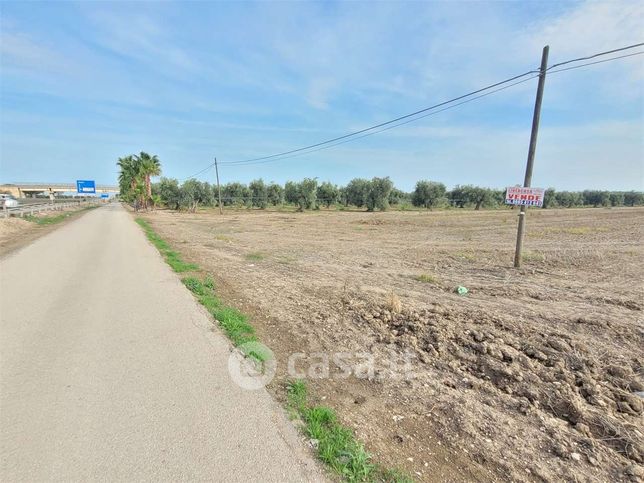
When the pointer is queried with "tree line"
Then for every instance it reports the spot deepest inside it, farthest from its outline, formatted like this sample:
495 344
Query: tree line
376 194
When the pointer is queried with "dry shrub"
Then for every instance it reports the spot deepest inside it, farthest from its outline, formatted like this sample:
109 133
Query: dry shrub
393 303
619 435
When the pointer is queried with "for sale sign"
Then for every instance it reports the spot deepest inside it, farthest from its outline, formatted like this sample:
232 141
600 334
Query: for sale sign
515 195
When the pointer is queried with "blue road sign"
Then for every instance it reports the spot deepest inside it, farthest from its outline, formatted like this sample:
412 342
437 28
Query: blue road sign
105 195
85 186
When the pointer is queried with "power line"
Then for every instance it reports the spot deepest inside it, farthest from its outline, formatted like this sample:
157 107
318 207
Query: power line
596 62
491 86
414 116
388 127
579 59
253 162
361 131
198 172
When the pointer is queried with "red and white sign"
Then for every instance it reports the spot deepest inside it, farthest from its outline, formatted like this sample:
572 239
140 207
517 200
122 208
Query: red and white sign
516 195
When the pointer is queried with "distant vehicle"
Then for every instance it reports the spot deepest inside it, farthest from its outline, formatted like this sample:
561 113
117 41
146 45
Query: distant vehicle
8 201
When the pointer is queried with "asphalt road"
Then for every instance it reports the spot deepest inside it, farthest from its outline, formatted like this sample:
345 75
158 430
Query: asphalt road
110 371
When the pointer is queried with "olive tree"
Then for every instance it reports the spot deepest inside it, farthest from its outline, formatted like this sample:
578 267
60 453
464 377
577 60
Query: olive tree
550 198
194 193
356 192
468 194
568 199
258 193
397 197
169 192
616 198
633 198
378 193
291 192
275 194
428 194
307 194
235 194
328 194
596 198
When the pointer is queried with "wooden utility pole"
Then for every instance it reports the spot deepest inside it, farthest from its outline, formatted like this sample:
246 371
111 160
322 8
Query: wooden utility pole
221 208
531 150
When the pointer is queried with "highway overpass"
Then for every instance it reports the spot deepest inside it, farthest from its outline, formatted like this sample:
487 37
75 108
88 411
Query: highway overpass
25 190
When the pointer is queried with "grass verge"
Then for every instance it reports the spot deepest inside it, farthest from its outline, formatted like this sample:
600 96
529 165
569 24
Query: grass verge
234 323
171 257
52 220
336 444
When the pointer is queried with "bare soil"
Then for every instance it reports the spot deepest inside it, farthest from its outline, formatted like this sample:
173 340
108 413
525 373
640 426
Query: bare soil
16 233
533 375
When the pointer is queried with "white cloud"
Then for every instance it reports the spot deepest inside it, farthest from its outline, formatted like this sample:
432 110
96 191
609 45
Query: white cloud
589 27
22 51
141 37
319 91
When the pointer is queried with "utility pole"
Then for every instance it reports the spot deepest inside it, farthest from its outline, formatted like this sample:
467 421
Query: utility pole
221 209
531 151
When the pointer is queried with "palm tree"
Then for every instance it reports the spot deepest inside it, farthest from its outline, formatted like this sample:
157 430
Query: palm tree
134 176
149 166
128 174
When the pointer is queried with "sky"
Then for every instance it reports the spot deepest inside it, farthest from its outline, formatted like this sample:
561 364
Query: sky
84 83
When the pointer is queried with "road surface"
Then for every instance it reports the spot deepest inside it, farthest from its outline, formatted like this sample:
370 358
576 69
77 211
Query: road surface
109 370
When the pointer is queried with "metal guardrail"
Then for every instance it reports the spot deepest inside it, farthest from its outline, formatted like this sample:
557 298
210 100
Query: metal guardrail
58 185
42 201
33 208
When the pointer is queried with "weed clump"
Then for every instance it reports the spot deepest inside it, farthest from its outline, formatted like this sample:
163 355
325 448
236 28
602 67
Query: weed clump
234 323
336 444
426 278
255 257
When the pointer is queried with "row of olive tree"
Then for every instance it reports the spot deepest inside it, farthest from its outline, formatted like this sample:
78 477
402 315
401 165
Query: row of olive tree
570 199
374 194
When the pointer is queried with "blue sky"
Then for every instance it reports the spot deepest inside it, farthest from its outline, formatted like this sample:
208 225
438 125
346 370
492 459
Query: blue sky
84 83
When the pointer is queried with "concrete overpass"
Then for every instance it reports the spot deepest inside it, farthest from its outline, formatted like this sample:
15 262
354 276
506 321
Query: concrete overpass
25 190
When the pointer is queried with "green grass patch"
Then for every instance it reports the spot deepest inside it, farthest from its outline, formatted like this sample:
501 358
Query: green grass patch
178 265
427 278
52 220
336 444
255 257
47 220
234 323
171 257
532 256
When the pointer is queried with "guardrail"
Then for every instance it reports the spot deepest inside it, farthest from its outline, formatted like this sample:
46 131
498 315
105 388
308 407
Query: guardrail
31 209
43 201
